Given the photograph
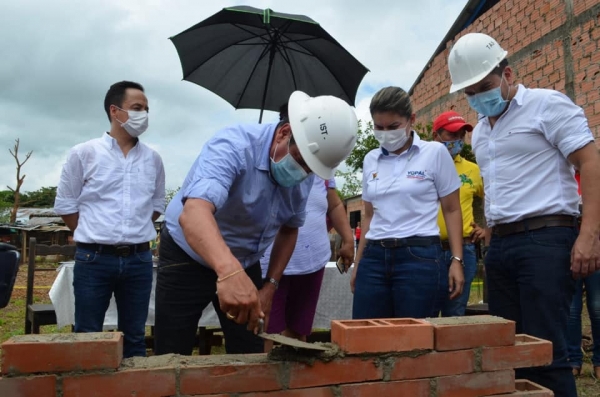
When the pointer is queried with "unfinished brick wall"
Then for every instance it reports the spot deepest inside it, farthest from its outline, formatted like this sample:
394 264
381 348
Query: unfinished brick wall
449 357
551 44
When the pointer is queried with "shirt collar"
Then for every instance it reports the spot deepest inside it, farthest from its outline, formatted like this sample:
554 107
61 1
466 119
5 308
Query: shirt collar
263 160
517 100
112 142
458 159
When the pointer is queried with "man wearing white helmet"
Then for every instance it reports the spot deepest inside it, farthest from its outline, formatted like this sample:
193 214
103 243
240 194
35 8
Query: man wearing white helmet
247 189
526 143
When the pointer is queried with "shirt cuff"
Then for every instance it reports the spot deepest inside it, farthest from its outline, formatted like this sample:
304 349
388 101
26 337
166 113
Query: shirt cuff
66 206
158 206
297 220
208 190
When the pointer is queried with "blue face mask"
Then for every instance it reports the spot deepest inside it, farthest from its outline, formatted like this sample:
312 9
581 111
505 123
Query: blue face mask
287 172
489 103
454 147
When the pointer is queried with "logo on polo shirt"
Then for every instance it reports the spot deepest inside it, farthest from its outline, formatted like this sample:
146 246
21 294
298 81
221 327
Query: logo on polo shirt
420 175
465 180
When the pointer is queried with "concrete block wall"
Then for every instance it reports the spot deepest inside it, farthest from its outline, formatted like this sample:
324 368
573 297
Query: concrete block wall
466 357
551 44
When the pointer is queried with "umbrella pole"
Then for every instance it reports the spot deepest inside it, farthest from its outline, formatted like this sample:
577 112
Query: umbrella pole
264 98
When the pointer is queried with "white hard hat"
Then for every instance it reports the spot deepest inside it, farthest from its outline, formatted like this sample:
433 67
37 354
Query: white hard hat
472 58
325 129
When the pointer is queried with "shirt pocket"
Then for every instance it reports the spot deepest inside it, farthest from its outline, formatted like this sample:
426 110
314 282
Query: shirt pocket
145 178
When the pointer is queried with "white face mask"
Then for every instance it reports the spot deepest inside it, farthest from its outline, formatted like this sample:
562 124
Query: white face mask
137 123
391 140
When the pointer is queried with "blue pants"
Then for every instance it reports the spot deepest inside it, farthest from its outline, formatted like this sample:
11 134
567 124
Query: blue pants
400 282
530 282
592 290
96 277
457 306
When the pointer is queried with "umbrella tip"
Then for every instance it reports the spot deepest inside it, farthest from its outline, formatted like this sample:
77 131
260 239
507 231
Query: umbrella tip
267 16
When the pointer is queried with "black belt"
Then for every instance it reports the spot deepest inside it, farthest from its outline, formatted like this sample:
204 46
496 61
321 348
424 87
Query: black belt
446 243
538 222
118 250
407 242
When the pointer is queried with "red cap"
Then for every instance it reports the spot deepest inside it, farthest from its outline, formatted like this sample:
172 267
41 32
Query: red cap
451 121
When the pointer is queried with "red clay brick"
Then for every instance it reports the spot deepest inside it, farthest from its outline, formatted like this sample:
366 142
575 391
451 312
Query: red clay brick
346 370
62 352
434 364
527 351
458 333
312 392
32 386
526 388
155 382
382 335
475 385
412 388
230 378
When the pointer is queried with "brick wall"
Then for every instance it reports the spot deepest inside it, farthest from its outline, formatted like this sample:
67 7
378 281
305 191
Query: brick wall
551 44
445 357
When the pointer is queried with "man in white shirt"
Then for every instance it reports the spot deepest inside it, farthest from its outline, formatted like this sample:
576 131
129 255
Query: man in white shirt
111 191
526 144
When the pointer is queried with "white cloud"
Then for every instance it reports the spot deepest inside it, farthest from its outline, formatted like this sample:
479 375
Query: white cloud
59 58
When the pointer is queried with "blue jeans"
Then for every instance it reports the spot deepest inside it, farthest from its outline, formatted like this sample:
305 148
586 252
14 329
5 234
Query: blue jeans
400 282
530 282
184 288
592 290
456 307
96 277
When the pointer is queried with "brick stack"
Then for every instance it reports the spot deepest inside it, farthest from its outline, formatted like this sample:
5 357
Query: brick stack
466 357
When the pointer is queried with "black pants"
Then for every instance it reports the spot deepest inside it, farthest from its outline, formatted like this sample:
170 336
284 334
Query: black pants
183 290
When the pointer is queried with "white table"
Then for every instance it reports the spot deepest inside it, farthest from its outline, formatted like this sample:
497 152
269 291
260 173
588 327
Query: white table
335 300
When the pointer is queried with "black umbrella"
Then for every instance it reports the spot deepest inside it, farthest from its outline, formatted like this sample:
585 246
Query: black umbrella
256 58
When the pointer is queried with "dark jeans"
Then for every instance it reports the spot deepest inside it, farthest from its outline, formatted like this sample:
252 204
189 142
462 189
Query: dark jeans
96 277
400 282
592 293
183 290
457 306
530 282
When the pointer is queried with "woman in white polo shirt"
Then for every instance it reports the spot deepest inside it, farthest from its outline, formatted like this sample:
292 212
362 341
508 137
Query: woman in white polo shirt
399 270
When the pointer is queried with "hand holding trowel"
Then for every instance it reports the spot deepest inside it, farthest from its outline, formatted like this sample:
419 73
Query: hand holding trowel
285 340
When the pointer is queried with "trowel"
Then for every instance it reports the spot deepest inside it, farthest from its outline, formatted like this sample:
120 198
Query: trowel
286 340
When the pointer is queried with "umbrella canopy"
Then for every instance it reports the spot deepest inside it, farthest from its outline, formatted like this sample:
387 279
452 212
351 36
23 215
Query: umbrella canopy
255 59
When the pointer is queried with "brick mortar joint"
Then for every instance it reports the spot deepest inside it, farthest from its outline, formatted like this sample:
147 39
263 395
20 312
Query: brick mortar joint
433 386
478 359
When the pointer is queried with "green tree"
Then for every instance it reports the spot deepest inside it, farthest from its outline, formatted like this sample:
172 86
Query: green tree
352 184
41 198
170 193
364 144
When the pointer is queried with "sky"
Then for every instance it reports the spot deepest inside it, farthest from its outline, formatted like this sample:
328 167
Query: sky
58 59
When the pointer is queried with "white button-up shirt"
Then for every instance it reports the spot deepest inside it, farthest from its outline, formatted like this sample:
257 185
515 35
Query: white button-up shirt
405 189
523 158
114 195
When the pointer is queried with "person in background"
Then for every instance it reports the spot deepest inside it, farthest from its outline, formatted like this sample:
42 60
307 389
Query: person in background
111 191
591 286
295 301
248 188
357 233
526 143
450 129
399 269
